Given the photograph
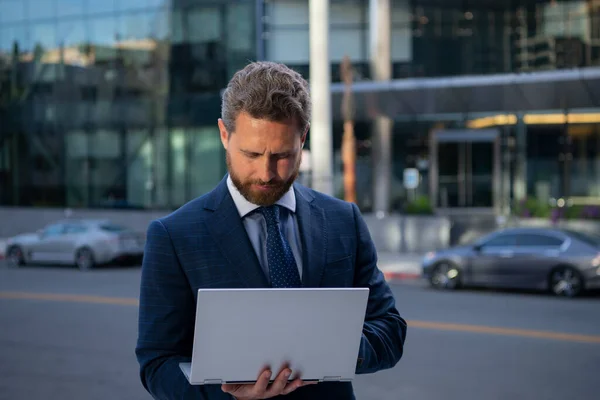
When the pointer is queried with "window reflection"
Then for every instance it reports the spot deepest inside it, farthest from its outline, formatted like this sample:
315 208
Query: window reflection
104 31
41 9
160 26
71 33
124 5
140 151
11 36
12 11
77 168
137 26
100 6
67 8
106 167
240 36
178 167
205 148
202 24
160 169
43 36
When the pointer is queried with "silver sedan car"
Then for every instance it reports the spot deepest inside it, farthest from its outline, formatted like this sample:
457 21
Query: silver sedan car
84 243
565 262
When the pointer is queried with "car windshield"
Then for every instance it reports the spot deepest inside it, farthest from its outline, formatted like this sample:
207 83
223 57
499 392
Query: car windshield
113 228
588 238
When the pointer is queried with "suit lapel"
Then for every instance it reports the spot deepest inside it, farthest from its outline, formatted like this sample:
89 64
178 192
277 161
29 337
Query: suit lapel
313 234
227 228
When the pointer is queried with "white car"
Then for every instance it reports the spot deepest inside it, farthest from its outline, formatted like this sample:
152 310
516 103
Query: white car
84 243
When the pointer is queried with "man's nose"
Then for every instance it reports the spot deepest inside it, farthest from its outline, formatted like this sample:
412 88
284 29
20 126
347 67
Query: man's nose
267 170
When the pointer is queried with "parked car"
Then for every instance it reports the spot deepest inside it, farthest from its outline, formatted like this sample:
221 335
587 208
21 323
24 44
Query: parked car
563 261
84 243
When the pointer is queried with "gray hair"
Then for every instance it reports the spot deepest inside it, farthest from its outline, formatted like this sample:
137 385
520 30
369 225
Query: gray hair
267 90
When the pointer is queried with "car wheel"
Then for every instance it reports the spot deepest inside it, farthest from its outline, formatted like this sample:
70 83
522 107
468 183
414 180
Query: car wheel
14 257
445 275
566 282
84 259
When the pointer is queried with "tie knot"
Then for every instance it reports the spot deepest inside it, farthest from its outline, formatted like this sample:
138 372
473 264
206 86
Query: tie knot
271 214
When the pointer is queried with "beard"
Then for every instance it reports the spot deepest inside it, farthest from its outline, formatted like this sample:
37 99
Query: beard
277 187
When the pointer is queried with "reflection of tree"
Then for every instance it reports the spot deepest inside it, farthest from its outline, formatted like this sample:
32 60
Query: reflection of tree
16 89
348 140
120 87
141 71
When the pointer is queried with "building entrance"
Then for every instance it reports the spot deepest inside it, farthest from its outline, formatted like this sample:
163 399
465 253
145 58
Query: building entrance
465 169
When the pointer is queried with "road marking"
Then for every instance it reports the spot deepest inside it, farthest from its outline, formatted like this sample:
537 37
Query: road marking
438 326
72 298
569 337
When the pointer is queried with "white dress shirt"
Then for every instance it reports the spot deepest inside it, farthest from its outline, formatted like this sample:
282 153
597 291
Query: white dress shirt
256 226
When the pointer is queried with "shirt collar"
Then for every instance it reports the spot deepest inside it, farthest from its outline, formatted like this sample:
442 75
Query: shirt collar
244 207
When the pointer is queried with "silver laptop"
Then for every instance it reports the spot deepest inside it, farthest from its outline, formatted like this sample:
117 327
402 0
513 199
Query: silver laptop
238 332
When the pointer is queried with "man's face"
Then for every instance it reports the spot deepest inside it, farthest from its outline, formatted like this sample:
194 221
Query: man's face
263 157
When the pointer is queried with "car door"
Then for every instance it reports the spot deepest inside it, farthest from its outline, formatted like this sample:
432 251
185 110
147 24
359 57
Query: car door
69 242
48 248
535 254
491 259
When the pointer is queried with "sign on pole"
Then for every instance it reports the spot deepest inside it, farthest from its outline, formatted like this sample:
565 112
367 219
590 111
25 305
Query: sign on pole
411 178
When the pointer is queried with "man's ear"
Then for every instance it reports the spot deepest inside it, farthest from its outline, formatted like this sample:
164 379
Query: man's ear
223 133
304 135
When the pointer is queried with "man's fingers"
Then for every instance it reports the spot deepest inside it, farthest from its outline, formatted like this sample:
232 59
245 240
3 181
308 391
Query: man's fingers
279 383
262 389
262 383
251 391
290 387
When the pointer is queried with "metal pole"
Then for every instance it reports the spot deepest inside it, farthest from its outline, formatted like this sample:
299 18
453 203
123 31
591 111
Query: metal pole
321 146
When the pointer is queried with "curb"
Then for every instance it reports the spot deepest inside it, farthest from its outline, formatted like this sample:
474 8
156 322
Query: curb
401 276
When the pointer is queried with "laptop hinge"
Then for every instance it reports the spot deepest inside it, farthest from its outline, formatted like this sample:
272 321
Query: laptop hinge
213 381
332 378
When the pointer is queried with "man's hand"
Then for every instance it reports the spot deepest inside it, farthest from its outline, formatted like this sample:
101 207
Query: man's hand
262 389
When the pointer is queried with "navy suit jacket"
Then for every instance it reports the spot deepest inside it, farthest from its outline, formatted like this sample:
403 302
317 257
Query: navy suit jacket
204 245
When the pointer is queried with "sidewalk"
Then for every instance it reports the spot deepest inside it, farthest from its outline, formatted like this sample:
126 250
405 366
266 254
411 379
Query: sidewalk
395 266
399 267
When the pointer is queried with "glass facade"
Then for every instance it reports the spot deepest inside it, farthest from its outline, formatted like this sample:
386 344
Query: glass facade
541 153
434 38
114 103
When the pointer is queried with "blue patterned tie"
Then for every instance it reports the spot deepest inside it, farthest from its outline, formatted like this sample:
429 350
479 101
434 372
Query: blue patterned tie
282 265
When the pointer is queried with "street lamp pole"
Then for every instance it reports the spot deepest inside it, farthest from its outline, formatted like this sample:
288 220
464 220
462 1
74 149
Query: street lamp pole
321 146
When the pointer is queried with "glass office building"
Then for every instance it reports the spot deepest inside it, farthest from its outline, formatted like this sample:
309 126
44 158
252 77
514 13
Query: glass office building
114 103
492 100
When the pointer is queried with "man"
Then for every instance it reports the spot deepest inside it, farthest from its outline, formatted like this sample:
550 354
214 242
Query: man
258 228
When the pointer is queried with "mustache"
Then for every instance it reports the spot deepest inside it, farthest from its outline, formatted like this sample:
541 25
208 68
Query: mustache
271 183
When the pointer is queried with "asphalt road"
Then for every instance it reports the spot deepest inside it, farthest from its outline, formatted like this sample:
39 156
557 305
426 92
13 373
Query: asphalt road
65 334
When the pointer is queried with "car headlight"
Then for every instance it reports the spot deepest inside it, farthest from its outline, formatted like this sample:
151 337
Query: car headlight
429 256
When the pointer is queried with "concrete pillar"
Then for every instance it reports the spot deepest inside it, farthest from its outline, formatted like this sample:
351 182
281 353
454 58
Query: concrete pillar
520 175
321 145
381 70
